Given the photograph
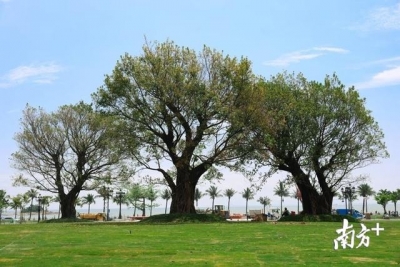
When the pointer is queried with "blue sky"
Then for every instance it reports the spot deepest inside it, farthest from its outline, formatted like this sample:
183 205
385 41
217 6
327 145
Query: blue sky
57 52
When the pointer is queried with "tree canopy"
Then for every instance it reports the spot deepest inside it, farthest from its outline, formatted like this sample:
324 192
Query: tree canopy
64 152
185 110
322 132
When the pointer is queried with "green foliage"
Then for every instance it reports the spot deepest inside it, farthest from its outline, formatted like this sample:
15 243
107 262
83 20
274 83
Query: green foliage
180 107
265 201
229 193
4 200
197 195
383 197
317 132
213 192
65 151
88 199
281 190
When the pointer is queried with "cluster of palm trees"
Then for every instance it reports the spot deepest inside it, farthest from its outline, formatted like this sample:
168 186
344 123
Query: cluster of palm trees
136 196
214 192
384 196
25 202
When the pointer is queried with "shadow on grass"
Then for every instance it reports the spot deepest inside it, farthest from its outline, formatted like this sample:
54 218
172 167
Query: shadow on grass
183 218
317 218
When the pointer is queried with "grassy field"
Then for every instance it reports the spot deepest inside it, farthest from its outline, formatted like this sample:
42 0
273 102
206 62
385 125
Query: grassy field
196 244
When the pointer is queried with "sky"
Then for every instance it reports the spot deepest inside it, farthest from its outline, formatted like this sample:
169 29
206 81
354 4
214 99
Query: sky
54 53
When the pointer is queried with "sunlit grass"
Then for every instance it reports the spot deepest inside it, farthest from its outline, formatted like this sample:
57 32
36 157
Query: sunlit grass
199 244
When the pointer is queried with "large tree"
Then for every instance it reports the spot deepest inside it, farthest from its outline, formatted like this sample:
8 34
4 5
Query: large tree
322 133
186 110
64 152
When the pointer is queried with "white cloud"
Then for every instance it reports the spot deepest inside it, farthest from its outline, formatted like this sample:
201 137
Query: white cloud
386 60
383 18
384 78
331 49
35 73
297 56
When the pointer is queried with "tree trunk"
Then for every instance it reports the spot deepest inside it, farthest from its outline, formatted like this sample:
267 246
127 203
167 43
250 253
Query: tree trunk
313 202
183 193
363 208
144 207
30 210
68 206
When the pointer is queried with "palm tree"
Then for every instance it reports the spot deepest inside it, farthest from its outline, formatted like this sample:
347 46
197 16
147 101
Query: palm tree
56 199
365 191
382 198
282 191
15 204
197 195
120 198
3 201
213 192
394 197
78 202
25 200
166 194
32 193
89 199
265 201
104 193
297 195
135 193
247 194
46 200
229 193
152 195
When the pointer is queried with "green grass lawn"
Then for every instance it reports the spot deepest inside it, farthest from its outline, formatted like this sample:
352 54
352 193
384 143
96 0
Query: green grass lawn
195 244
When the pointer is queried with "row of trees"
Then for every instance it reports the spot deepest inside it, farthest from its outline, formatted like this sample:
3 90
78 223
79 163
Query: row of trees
183 114
137 195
